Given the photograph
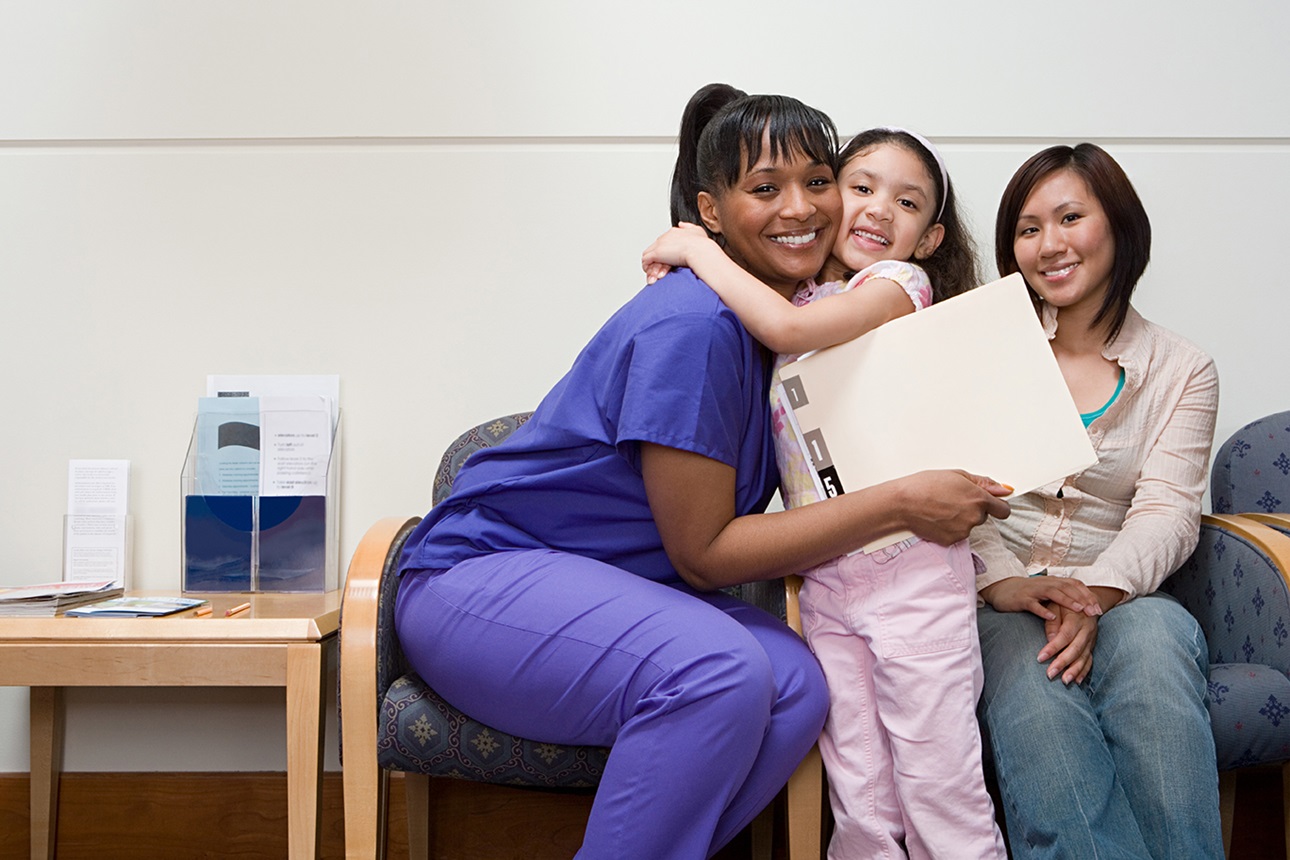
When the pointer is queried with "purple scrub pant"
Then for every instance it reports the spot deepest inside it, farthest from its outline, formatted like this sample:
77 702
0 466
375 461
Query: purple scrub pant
709 703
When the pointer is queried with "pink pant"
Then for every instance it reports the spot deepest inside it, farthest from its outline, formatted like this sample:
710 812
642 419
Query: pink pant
897 639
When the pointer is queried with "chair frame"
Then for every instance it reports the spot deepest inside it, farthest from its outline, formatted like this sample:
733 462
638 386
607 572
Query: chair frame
366 784
806 797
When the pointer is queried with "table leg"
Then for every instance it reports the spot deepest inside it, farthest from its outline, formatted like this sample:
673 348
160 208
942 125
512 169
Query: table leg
304 748
46 765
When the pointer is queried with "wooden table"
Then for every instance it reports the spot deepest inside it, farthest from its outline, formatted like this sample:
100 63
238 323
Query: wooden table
278 642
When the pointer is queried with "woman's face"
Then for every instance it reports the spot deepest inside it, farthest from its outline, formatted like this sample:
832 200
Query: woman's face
1063 242
779 220
888 203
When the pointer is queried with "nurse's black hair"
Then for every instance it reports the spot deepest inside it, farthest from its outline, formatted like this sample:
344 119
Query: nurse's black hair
721 137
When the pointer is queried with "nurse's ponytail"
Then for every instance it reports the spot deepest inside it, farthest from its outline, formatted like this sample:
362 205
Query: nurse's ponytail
686 185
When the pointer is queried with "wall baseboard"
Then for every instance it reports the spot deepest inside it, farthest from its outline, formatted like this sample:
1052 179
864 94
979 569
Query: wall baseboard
126 816
106 816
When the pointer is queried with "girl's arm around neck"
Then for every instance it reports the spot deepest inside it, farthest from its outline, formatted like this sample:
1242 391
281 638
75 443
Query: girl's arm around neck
692 500
780 325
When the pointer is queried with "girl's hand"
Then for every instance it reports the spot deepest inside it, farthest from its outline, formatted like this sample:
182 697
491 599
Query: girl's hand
1034 594
677 247
1071 637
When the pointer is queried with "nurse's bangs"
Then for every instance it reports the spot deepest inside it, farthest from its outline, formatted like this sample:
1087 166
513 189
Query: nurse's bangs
732 141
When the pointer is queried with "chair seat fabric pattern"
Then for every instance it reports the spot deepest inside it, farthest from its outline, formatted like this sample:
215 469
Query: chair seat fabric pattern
1237 692
1239 597
1251 472
421 733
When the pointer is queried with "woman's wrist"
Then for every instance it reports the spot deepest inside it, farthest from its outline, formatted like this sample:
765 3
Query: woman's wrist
1107 596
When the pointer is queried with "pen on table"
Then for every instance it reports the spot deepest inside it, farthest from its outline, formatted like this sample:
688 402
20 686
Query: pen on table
236 609
203 610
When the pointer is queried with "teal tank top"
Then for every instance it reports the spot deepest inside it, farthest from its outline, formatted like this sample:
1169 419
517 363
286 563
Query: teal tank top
1088 417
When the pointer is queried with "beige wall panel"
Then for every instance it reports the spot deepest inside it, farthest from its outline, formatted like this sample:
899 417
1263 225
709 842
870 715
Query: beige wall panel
295 68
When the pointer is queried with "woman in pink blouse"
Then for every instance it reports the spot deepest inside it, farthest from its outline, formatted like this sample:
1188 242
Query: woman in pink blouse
1094 699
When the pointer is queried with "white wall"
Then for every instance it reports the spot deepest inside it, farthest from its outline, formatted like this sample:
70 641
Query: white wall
441 204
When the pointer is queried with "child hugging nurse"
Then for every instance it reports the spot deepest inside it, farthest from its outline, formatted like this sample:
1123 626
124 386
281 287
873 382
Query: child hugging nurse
894 630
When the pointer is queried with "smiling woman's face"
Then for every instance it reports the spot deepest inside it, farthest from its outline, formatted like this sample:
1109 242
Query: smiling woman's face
1063 242
779 220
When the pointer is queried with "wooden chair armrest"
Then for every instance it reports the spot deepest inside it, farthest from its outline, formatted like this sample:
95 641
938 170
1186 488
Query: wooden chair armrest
1278 521
1257 529
363 783
793 603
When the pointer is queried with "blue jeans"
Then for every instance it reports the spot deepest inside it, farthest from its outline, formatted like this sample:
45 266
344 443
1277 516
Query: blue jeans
1119 766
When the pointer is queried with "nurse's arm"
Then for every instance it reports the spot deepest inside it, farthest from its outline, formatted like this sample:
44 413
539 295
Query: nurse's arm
692 498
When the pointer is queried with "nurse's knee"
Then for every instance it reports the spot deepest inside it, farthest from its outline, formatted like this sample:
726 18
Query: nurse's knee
804 691
737 676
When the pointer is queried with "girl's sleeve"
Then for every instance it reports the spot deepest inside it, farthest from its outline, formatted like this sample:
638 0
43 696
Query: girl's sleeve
912 279
1162 526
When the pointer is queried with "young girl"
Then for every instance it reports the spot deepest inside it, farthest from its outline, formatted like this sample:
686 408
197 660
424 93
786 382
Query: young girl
893 630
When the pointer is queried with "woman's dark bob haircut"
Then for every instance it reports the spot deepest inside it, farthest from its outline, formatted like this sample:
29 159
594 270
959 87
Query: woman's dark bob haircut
721 137
1130 227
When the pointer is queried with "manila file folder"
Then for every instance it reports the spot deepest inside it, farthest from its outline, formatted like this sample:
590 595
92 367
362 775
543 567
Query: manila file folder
970 383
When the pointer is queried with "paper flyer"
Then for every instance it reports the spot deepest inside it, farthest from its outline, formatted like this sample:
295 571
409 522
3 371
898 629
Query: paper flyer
96 527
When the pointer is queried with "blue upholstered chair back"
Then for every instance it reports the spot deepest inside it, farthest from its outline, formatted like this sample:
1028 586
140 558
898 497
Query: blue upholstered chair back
1251 472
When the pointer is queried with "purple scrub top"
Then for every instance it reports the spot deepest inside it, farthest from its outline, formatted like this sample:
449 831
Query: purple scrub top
674 367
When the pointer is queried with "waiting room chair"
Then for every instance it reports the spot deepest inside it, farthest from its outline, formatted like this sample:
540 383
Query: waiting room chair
392 721
1235 584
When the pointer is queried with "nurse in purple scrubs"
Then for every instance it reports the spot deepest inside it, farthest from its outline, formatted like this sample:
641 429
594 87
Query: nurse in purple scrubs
567 590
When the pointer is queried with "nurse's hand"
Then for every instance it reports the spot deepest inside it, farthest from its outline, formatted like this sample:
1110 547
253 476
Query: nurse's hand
944 505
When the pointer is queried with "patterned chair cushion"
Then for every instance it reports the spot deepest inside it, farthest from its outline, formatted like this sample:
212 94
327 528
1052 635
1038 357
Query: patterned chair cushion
422 733
1239 597
1251 470
1241 601
1249 710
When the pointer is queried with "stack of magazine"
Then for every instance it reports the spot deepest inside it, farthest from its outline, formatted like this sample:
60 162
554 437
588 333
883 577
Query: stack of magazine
49 598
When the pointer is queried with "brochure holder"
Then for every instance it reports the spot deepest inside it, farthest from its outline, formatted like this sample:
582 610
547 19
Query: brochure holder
260 542
98 546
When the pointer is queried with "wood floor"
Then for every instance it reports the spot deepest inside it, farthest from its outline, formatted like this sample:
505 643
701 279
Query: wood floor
243 816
